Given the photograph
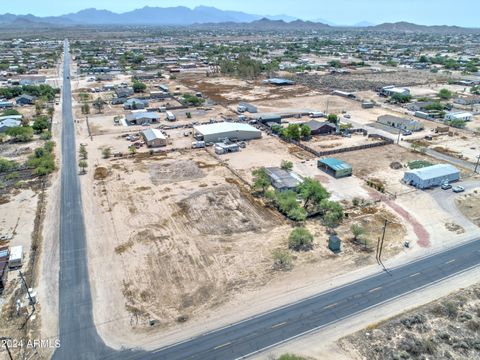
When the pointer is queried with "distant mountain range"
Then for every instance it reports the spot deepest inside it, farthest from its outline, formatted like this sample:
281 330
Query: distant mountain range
174 16
207 16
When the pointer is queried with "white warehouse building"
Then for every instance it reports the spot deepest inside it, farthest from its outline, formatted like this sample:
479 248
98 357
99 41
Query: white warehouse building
226 130
431 176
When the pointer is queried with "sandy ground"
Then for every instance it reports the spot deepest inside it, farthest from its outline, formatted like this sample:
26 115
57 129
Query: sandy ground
446 328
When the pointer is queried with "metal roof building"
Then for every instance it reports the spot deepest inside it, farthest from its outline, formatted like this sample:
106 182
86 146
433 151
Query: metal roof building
431 176
227 130
336 168
154 138
282 179
142 117
400 123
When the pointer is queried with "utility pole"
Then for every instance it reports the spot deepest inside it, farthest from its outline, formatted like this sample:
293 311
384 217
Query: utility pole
399 133
476 165
380 245
5 340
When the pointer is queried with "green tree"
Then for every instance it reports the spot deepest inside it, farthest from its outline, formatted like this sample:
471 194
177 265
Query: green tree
139 87
286 165
132 150
20 133
357 231
83 152
83 165
312 193
332 213
332 118
287 201
41 123
261 181
300 239
85 109
305 131
99 104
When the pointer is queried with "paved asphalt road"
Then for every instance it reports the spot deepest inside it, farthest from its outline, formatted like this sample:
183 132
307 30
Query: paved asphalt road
78 336
79 339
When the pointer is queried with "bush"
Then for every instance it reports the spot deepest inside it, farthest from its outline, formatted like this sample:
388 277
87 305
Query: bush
20 133
7 165
106 152
46 135
286 165
12 176
445 94
281 260
300 239
400 98
418 164
291 357
43 160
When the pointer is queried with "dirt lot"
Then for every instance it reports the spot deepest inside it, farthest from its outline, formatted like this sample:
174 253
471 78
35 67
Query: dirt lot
225 90
188 225
376 163
369 81
332 142
445 329
469 205
268 151
183 237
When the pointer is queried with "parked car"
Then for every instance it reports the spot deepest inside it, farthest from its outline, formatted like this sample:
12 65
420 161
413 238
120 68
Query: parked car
446 186
458 189
407 132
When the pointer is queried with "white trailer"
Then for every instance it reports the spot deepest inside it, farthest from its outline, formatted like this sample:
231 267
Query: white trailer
170 116
16 257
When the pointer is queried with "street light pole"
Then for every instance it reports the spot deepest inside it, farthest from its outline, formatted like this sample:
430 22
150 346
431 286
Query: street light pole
476 165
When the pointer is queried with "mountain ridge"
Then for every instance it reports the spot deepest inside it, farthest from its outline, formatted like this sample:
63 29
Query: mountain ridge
207 15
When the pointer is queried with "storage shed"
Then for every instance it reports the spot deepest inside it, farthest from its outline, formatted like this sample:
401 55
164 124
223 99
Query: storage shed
336 168
431 176
226 130
154 138
334 243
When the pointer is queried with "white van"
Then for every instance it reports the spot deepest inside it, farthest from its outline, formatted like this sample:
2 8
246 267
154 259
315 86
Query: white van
198 144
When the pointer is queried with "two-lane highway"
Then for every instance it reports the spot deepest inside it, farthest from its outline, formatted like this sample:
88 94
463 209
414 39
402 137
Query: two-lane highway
80 340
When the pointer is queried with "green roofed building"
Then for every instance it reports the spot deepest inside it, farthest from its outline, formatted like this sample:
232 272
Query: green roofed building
336 168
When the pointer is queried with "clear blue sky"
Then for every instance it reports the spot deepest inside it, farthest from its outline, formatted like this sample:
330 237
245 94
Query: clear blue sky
428 12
